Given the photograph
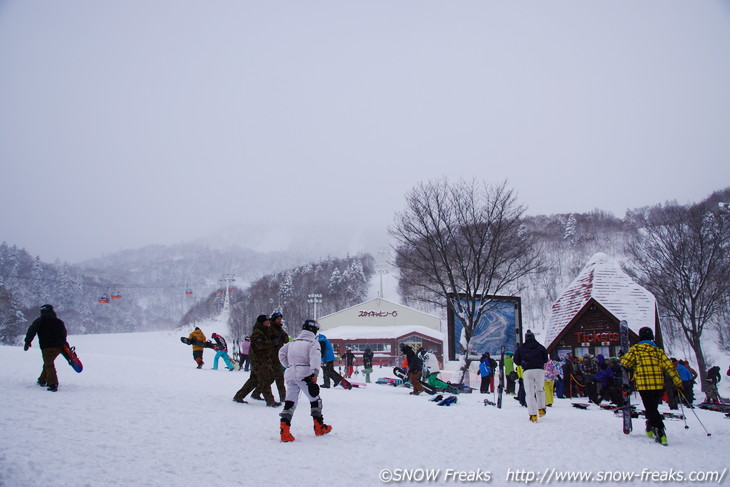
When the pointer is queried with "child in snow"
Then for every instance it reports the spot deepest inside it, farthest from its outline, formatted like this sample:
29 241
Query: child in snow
302 359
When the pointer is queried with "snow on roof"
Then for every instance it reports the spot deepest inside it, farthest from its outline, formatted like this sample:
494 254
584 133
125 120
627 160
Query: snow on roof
603 280
387 332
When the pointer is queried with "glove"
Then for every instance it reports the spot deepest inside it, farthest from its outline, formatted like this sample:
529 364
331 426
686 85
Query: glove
312 387
26 346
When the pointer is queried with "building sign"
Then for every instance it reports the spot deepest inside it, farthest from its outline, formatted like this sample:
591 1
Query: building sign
377 314
605 338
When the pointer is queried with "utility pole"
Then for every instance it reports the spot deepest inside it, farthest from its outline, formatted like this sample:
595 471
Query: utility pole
382 268
314 299
227 279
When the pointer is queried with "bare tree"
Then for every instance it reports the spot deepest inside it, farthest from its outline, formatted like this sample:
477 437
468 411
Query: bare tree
462 239
682 257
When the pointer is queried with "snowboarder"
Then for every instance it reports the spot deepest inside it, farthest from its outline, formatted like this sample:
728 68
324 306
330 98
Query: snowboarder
552 373
649 364
262 369
712 379
302 358
199 336
277 325
243 354
485 372
51 338
415 367
349 362
367 364
532 356
221 350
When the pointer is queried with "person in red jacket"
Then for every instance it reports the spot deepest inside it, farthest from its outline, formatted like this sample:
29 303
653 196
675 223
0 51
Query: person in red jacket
51 338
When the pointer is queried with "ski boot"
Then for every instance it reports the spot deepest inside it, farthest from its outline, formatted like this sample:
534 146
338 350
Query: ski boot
541 412
661 436
533 418
53 388
320 428
286 435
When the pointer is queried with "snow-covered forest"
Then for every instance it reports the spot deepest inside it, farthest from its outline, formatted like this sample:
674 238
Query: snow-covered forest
167 286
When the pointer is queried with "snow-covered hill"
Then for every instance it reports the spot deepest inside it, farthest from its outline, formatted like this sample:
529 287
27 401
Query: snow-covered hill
141 414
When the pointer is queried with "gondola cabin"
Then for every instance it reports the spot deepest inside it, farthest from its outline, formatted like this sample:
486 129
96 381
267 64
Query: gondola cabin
116 295
188 292
103 299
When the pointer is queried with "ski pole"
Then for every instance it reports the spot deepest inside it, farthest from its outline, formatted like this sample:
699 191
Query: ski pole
684 416
695 413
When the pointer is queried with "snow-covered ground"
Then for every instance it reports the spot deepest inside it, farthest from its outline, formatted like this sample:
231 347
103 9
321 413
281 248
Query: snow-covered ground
141 414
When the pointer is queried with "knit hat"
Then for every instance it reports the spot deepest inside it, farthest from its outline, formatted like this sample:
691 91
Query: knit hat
646 333
529 335
262 318
47 307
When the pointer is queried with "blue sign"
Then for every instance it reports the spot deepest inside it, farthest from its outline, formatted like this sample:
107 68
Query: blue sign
497 326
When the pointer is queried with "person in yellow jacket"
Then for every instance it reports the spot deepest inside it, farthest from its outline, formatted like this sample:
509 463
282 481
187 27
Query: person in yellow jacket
198 335
649 364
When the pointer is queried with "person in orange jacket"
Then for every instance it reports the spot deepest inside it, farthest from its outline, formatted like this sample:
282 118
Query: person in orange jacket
198 335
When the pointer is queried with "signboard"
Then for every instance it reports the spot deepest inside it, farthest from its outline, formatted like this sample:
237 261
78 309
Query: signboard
500 325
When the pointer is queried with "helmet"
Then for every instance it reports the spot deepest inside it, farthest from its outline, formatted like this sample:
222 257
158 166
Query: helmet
311 325
262 318
276 315
646 333
47 307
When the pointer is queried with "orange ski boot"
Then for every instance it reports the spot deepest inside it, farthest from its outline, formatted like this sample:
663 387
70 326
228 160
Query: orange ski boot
286 435
320 428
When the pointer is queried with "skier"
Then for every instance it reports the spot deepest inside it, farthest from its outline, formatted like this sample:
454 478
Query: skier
415 367
302 358
51 338
221 350
367 364
198 335
532 356
686 376
649 363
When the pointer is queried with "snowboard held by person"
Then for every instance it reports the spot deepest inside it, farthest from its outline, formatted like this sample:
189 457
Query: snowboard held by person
51 333
649 363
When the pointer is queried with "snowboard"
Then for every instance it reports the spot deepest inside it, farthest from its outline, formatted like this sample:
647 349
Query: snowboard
358 384
623 328
401 374
389 381
69 353
188 341
580 405
500 388
345 383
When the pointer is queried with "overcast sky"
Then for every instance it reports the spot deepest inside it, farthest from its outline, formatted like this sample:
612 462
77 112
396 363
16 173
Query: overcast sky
126 123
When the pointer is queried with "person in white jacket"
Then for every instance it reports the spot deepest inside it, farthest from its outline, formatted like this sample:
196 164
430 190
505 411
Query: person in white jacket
302 359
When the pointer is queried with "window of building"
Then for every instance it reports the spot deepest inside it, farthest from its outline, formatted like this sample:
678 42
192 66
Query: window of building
605 351
375 347
580 352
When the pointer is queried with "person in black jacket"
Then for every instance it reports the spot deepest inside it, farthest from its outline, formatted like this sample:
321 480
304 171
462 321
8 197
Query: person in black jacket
532 357
415 368
51 338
